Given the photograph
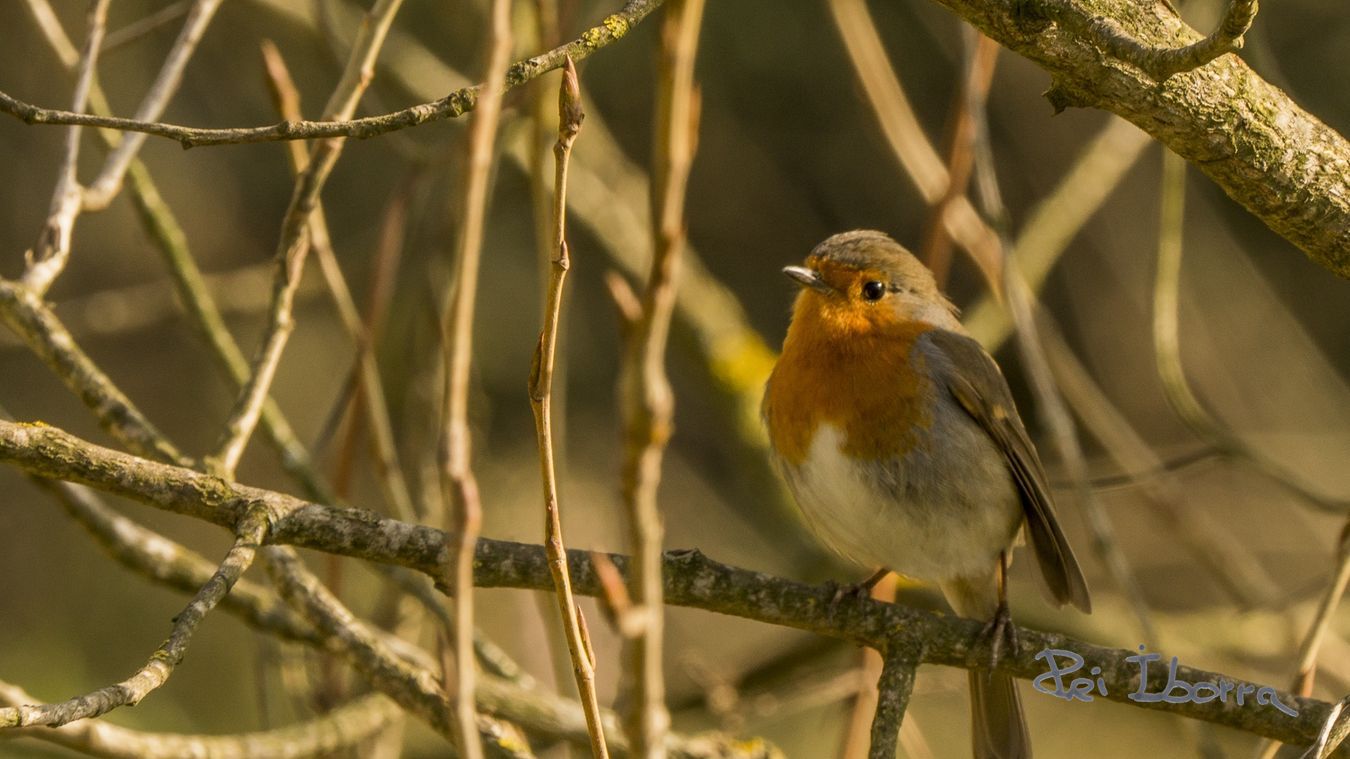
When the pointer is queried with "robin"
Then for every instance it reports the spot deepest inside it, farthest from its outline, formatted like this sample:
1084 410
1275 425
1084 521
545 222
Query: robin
897 435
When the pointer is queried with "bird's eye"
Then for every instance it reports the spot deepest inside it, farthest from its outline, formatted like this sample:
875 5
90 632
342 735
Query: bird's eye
873 290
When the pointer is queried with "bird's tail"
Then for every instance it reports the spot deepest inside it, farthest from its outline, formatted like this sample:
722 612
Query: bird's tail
998 729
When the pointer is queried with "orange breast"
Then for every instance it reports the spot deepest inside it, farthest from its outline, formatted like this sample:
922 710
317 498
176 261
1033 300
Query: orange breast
858 375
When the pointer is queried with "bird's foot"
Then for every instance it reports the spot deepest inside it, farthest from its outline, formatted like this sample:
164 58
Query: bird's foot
857 591
998 635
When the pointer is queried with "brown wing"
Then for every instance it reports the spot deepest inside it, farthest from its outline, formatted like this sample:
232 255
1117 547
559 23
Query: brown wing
977 384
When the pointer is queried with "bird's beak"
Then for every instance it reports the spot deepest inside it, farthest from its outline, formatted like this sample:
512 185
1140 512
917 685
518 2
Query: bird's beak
808 278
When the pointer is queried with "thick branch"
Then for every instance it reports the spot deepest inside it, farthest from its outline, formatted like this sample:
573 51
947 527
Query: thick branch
1281 163
457 103
691 579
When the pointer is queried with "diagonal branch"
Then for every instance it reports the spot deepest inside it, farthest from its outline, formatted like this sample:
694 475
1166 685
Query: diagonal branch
108 183
412 687
25 313
252 530
294 244
53 248
613 28
1281 163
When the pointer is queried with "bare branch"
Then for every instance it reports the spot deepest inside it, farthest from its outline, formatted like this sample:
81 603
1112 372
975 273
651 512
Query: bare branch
252 530
570 116
53 247
893 690
345 727
457 103
647 402
690 578
294 243
459 487
28 316
1157 61
105 187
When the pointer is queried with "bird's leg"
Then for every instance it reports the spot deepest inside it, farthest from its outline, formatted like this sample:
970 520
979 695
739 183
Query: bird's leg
1000 631
860 590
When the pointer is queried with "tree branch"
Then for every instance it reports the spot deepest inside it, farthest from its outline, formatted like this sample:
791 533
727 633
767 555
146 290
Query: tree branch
344 727
252 530
1277 160
1160 61
893 691
691 579
457 103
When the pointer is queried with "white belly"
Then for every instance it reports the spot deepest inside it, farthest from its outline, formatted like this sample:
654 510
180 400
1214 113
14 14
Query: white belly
905 515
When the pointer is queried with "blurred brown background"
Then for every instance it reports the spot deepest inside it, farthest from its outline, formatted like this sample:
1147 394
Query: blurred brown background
789 153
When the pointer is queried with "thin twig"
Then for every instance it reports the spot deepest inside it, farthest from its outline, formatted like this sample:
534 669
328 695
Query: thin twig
252 530
1167 347
346 727
459 487
413 687
1208 540
1306 669
1051 405
1160 63
935 249
369 384
541 402
52 251
294 243
613 28
105 187
541 168
647 401
906 137
143 26
1059 216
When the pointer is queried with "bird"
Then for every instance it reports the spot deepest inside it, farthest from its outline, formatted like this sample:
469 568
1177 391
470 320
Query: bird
897 435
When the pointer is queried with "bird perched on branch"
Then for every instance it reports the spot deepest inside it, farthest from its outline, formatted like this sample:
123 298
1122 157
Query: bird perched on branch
897 434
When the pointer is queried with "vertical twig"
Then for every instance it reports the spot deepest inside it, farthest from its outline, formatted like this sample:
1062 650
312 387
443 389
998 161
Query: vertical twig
936 247
906 137
294 244
648 404
858 732
541 168
459 488
109 181
1051 406
893 691
52 251
368 383
541 401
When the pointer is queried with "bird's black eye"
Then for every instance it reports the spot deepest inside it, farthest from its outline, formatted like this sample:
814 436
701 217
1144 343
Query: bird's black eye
873 290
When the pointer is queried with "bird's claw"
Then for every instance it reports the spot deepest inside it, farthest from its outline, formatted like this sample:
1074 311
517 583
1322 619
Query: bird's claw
998 633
